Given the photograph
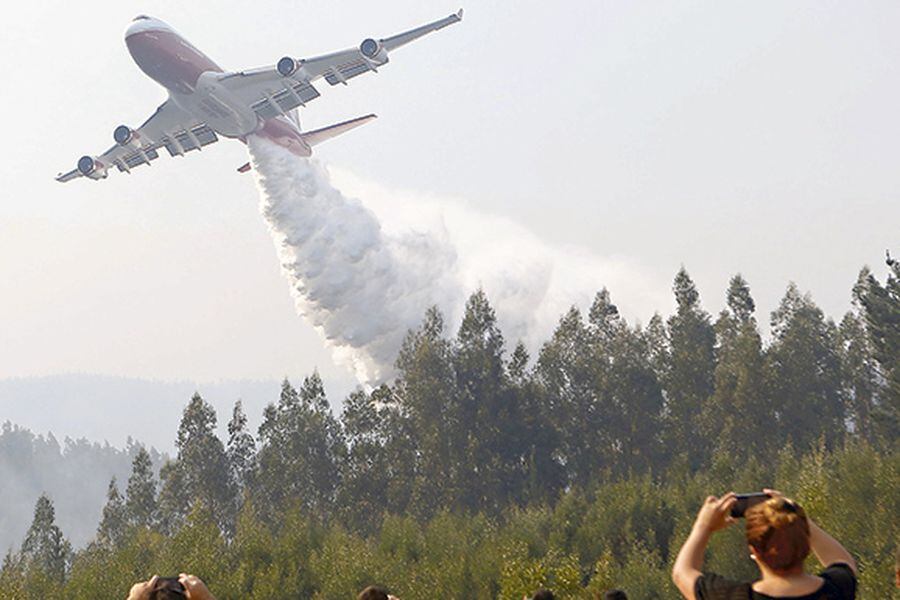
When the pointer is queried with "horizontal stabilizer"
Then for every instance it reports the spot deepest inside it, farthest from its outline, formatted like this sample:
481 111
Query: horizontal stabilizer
317 136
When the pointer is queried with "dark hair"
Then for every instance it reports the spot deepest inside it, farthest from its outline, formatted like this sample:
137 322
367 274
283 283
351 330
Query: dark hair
373 592
778 531
543 595
167 588
615 595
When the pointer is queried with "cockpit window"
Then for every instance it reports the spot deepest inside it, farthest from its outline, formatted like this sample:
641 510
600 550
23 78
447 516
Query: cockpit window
141 18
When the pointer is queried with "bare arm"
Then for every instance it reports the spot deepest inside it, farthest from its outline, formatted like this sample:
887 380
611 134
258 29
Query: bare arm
827 549
713 515
687 566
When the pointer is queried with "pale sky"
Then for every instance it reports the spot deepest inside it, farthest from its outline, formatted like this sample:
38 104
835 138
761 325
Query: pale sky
725 136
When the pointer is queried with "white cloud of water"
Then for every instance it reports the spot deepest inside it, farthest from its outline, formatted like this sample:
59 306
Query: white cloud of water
365 262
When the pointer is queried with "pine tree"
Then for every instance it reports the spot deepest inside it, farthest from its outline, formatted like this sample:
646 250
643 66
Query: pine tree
494 448
429 410
113 523
368 473
200 470
688 379
301 445
539 440
636 402
517 367
241 450
567 374
739 415
141 508
326 440
44 548
804 372
881 306
860 374
610 353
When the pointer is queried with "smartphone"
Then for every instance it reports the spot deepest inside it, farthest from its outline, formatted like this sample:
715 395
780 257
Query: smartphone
745 501
167 584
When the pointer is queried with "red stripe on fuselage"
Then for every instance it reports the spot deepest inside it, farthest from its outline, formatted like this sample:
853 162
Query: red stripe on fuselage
169 59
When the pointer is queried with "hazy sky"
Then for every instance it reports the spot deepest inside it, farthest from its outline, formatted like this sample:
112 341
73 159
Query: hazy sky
755 137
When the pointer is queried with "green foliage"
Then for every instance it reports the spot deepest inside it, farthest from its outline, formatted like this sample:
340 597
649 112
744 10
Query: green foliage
45 552
689 372
804 372
301 447
141 508
199 471
477 475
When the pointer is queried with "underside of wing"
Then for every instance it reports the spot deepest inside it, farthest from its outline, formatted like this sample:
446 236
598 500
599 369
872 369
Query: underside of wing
276 90
169 127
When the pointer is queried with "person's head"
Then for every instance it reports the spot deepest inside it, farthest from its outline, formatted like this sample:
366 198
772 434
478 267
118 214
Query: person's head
373 592
543 595
778 534
615 595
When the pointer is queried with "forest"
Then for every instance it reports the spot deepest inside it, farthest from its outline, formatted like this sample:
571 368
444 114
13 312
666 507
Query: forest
483 472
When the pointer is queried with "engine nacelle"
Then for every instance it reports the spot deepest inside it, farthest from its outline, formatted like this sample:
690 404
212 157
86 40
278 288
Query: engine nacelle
91 167
287 66
373 51
124 135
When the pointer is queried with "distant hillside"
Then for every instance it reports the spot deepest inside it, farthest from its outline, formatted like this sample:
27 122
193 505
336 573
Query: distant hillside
112 409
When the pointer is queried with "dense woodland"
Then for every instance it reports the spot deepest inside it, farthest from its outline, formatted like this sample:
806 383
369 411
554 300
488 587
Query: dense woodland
481 472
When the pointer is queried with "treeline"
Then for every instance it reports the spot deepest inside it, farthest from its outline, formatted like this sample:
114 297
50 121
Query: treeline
75 470
481 474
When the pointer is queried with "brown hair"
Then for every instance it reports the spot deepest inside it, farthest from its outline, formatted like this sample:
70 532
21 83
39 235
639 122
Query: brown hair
778 531
373 592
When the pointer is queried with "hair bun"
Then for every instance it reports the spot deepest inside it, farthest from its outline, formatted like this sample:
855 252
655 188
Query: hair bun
781 512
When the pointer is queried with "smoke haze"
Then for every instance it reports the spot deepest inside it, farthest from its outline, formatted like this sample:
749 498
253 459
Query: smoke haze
364 274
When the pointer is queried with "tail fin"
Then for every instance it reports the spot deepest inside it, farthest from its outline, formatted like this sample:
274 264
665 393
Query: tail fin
317 136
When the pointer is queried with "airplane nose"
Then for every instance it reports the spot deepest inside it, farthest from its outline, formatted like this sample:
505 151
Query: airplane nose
142 23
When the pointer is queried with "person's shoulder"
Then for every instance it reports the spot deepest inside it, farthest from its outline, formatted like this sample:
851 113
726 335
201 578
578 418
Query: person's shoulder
840 576
712 586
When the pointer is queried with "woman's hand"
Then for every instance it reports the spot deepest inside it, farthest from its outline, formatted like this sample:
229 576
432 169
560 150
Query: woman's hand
773 493
141 591
195 588
715 513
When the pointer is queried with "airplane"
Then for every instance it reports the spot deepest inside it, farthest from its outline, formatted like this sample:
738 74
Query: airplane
206 102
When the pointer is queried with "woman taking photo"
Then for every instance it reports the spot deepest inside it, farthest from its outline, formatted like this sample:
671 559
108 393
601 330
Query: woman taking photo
780 537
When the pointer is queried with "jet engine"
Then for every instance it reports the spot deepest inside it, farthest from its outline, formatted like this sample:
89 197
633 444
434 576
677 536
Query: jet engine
124 135
287 66
373 51
90 167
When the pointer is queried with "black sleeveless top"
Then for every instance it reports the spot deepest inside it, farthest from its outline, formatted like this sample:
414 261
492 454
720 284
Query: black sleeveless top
839 584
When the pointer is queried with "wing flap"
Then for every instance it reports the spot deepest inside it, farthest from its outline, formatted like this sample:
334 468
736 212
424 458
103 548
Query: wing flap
292 94
341 73
177 143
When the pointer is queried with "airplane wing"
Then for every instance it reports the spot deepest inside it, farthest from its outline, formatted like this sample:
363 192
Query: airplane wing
273 91
169 127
